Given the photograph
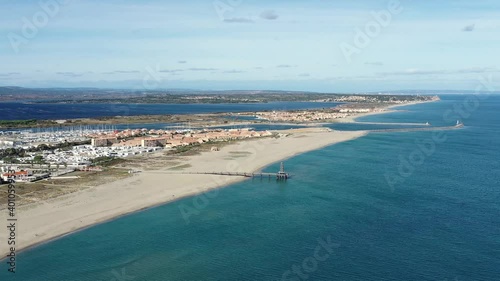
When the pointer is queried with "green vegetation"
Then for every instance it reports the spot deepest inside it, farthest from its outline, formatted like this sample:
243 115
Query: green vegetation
105 161
182 149
180 167
16 123
206 97
10 160
38 159
11 124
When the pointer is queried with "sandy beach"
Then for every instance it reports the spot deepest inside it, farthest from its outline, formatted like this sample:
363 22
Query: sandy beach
43 221
388 109
50 219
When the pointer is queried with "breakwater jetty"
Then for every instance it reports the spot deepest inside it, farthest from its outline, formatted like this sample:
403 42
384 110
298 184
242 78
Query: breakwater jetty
444 128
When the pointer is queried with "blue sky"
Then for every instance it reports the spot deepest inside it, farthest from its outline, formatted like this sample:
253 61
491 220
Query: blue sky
250 44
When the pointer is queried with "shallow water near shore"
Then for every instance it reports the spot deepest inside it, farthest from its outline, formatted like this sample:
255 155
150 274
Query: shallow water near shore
440 222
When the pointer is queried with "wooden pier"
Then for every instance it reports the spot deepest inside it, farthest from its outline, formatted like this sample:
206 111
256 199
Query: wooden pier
280 175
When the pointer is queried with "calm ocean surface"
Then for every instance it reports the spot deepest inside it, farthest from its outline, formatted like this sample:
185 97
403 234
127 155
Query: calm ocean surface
440 222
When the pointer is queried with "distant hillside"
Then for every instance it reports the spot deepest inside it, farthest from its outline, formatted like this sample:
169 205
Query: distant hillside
94 95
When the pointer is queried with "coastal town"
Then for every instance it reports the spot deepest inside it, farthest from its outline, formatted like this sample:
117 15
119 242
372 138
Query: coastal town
351 106
301 116
58 151
38 158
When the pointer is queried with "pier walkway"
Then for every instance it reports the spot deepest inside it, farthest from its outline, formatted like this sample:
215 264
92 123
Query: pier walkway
236 174
281 175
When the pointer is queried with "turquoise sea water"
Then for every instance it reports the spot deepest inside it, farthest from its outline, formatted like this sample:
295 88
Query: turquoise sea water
440 222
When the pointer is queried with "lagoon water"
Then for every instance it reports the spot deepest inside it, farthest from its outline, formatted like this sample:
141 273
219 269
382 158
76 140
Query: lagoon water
24 111
441 221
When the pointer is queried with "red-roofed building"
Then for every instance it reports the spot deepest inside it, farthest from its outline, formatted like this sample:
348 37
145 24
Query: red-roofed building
154 142
18 176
